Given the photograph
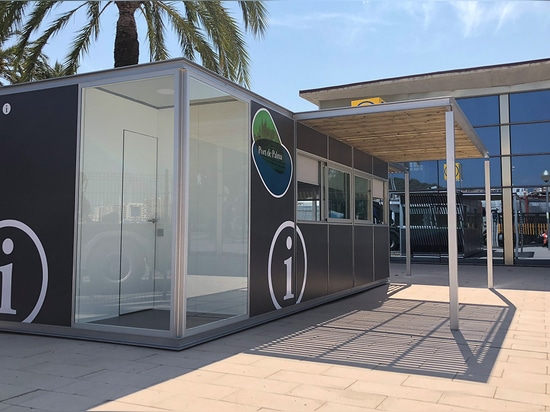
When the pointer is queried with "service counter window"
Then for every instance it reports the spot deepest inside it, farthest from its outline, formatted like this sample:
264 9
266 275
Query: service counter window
379 202
339 193
308 172
363 198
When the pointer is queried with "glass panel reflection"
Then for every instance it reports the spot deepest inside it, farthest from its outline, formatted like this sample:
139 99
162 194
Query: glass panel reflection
217 270
530 106
530 138
124 228
363 198
338 194
480 111
526 170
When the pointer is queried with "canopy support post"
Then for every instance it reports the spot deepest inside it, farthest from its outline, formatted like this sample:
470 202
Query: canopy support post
488 224
452 220
407 224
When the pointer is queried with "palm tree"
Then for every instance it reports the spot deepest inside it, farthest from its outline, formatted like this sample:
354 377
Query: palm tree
204 28
12 71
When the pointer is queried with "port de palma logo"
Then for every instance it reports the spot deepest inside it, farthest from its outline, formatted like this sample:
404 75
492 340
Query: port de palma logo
274 165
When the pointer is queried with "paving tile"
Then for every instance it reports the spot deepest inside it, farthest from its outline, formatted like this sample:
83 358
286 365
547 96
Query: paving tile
126 407
358 373
523 396
195 404
338 396
396 404
32 380
11 391
271 400
319 380
237 369
426 395
248 382
138 381
62 369
201 390
519 384
338 407
486 404
449 385
54 401
100 390
295 365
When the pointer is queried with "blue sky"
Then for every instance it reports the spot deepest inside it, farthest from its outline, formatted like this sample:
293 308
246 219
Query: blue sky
320 43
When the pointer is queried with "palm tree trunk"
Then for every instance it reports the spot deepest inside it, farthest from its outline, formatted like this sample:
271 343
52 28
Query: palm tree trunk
126 40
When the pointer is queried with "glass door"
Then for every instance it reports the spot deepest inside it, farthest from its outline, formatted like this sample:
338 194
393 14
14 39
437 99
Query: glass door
136 274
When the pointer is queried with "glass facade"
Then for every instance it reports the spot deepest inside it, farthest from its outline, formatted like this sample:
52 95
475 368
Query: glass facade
125 216
519 151
217 271
126 236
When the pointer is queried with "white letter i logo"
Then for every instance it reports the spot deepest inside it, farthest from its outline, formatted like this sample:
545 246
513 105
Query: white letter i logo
6 274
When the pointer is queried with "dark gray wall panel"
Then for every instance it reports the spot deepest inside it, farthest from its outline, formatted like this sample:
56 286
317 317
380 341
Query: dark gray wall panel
362 161
379 168
38 149
271 223
339 152
363 255
311 141
340 258
315 236
381 252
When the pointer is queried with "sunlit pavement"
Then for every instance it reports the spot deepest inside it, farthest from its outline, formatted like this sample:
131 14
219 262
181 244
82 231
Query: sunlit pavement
389 348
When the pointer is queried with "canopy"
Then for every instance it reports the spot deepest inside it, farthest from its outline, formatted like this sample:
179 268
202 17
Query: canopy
413 131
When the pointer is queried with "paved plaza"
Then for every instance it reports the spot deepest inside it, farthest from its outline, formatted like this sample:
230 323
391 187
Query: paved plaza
386 349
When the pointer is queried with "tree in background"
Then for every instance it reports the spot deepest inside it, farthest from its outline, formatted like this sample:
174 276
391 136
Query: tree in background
204 28
12 72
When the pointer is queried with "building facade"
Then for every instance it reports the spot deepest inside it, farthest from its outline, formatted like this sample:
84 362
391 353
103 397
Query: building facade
509 107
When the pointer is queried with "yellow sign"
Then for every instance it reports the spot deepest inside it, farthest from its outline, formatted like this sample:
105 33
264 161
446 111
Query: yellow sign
458 169
367 101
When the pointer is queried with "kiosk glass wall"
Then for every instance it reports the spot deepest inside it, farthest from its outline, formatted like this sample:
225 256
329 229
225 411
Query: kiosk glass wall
216 282
124 244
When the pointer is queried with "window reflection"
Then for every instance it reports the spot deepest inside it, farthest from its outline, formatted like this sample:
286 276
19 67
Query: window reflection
472 173
526 170
362 198
530 106
490 137
338 194
530 138
480 111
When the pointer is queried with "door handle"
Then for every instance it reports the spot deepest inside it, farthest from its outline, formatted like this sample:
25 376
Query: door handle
153 220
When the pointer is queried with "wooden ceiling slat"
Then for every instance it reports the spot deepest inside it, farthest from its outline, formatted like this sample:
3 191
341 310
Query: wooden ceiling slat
409 135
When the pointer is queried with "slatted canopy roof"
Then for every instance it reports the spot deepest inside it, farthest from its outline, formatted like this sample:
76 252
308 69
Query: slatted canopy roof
408 131
412 131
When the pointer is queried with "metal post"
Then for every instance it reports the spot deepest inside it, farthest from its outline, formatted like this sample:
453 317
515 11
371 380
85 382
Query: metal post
546 177
488 224
547 218
452 224
407 225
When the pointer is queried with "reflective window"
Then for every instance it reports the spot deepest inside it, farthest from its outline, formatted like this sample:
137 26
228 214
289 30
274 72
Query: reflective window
480 111
424 175
527 170
471 173
308 206
125 238
338 183
363 198
490 137
530 138
217 270
379 202
530 106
